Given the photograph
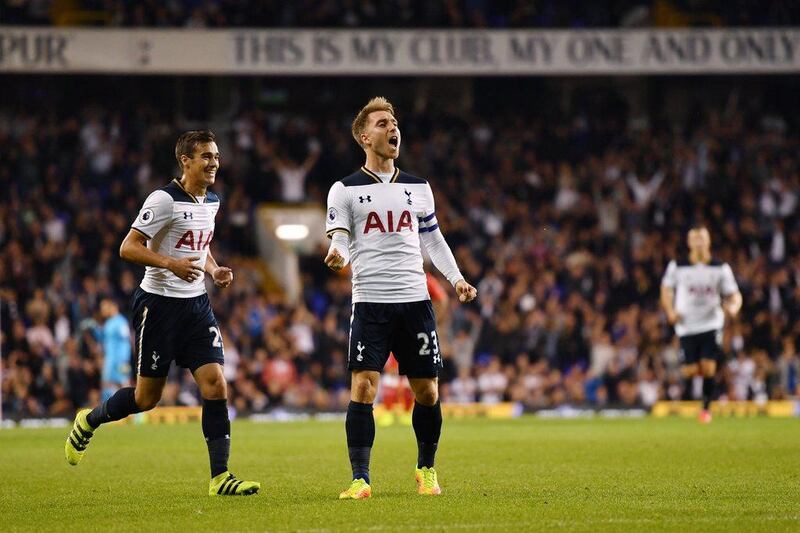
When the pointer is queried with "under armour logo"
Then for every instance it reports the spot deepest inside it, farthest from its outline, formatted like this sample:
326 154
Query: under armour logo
408 200
155 358
360 349
437 358
363 199
188 215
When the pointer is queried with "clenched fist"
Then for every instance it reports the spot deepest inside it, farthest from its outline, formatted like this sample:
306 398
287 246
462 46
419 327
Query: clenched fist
466 292
223 277
334 260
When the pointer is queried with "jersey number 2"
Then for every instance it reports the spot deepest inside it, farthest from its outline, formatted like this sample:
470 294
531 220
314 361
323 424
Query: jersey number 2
217 343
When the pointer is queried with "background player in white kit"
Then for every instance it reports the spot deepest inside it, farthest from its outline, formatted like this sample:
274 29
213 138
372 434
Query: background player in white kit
696 295
173 319
377 219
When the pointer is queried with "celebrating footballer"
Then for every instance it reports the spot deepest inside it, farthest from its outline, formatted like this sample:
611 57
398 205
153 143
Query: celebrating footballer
378 218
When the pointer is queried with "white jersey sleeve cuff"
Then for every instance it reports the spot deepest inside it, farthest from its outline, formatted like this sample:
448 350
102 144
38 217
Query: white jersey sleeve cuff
340 240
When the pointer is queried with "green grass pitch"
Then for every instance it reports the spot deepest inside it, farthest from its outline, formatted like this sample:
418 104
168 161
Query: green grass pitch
524 474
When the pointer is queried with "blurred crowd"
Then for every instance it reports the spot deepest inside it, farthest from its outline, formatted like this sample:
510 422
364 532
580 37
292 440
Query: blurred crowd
402 13
565 226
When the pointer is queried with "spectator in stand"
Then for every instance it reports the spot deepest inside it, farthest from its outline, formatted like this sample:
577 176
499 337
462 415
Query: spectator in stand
492 382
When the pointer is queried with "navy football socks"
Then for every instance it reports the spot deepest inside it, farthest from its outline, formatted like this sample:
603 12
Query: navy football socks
427 421
217 431
120 405
708 391
360 427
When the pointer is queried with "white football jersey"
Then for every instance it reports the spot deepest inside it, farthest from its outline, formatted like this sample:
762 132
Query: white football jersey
384 219
699 289
176 224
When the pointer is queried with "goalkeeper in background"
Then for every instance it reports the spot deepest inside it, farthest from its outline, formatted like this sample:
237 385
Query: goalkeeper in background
115 335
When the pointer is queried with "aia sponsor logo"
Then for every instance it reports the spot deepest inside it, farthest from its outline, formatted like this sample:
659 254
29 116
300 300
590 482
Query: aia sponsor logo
189 241
375 222
701 290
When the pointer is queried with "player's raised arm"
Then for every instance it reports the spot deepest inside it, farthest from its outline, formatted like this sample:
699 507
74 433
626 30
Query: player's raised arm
338 223
431 236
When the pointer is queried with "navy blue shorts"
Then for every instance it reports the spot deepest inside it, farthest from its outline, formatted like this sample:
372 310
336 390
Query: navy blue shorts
408 330
706 345
183 330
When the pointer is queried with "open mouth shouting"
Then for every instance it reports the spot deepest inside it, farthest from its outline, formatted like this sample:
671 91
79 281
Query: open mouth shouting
394 140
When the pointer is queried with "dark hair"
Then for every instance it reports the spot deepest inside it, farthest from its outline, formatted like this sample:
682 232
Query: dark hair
188 141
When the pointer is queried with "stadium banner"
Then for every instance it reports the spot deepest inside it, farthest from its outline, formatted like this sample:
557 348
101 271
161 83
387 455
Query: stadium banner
738 409
476 52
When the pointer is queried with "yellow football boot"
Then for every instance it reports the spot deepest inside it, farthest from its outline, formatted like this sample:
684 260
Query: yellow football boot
78 438
358 490
226 484
427 483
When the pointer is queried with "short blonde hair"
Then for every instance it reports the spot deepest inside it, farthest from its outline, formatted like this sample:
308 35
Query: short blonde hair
697 230
379 103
